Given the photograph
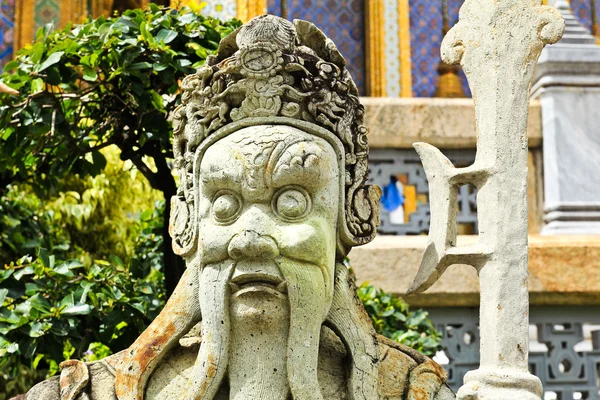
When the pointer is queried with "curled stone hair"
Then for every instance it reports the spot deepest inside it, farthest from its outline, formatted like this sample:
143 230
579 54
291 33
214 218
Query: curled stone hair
271 71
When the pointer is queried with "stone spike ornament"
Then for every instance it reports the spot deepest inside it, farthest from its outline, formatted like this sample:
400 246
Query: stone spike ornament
498 43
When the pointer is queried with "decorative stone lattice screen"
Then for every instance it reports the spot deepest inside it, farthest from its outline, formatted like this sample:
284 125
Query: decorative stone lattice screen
564 353
384 163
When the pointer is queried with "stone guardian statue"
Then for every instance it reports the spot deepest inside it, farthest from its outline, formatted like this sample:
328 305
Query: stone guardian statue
272 161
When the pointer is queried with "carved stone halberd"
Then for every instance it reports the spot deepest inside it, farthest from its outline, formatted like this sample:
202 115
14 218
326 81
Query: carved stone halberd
497 42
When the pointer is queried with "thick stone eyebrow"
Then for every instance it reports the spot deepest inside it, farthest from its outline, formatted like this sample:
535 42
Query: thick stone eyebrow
303 164
224 174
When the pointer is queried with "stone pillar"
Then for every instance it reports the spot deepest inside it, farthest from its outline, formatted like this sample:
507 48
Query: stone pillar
567 83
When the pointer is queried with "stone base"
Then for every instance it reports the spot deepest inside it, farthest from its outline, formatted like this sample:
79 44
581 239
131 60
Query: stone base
573 219
572 228
500 384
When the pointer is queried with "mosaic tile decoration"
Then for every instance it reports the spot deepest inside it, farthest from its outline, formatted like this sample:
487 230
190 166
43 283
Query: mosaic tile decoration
343 21
274 7
582 9
222 9
7 25
392 48
46 12
426 37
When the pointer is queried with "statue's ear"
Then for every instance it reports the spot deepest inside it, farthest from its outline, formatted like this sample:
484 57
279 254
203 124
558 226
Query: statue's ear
361 215
182 229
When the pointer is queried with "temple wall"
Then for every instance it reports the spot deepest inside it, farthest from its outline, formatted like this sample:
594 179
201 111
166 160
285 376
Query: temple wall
392 46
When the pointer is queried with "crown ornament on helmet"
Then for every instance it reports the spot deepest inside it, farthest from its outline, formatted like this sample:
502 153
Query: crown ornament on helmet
274 72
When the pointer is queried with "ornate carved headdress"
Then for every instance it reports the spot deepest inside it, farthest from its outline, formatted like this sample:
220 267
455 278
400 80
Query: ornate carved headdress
273 72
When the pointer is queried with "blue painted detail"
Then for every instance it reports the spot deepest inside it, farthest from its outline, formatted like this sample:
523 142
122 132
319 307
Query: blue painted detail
426 23
7 24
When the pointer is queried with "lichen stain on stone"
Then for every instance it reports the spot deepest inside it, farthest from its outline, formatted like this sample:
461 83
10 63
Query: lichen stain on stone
212 365
418 394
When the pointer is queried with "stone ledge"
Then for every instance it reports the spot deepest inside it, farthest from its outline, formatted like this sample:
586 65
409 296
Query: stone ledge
564 270
444 123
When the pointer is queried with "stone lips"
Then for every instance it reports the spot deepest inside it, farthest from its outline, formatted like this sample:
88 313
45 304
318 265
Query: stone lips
271 71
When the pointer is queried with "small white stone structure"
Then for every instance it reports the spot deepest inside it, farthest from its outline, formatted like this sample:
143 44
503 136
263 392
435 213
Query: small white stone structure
567 84
498 43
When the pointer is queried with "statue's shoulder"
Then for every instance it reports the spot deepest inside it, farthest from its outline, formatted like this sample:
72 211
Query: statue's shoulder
45 390
95 378
403 369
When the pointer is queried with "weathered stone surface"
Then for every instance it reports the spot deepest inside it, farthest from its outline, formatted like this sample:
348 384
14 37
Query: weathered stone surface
399 366
444 123
563 270
271 153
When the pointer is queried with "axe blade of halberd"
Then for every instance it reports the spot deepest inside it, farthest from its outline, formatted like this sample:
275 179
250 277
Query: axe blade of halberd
441 251
443 204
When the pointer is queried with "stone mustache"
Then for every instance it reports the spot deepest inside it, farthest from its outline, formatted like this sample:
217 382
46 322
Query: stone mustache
272 159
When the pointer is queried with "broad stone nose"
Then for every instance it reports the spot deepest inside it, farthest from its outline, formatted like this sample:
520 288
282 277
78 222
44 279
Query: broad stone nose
250 244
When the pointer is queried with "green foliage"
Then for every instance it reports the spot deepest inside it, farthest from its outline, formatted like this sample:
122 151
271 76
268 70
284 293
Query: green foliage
83 229
52 309
107 81
392 318
94 217
99 214
24 227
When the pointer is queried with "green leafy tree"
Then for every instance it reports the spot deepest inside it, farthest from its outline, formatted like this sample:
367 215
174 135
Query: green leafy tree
110 81
94 217
24 227
53 309
58 268
99 214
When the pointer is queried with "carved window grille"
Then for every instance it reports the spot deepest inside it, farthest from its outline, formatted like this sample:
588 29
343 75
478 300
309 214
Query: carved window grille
564 348
405 165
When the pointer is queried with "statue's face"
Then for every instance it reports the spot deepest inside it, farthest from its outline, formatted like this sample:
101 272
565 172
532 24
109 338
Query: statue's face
269 194
268 206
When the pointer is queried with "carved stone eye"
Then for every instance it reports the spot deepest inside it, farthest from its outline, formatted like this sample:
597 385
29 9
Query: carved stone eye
292 203
226 207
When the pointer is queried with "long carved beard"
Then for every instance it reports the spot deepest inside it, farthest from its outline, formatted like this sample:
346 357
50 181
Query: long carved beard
257 357
309 298
211 364
268 343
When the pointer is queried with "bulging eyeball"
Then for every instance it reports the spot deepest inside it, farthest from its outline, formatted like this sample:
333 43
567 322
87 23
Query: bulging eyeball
226 207
292 204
